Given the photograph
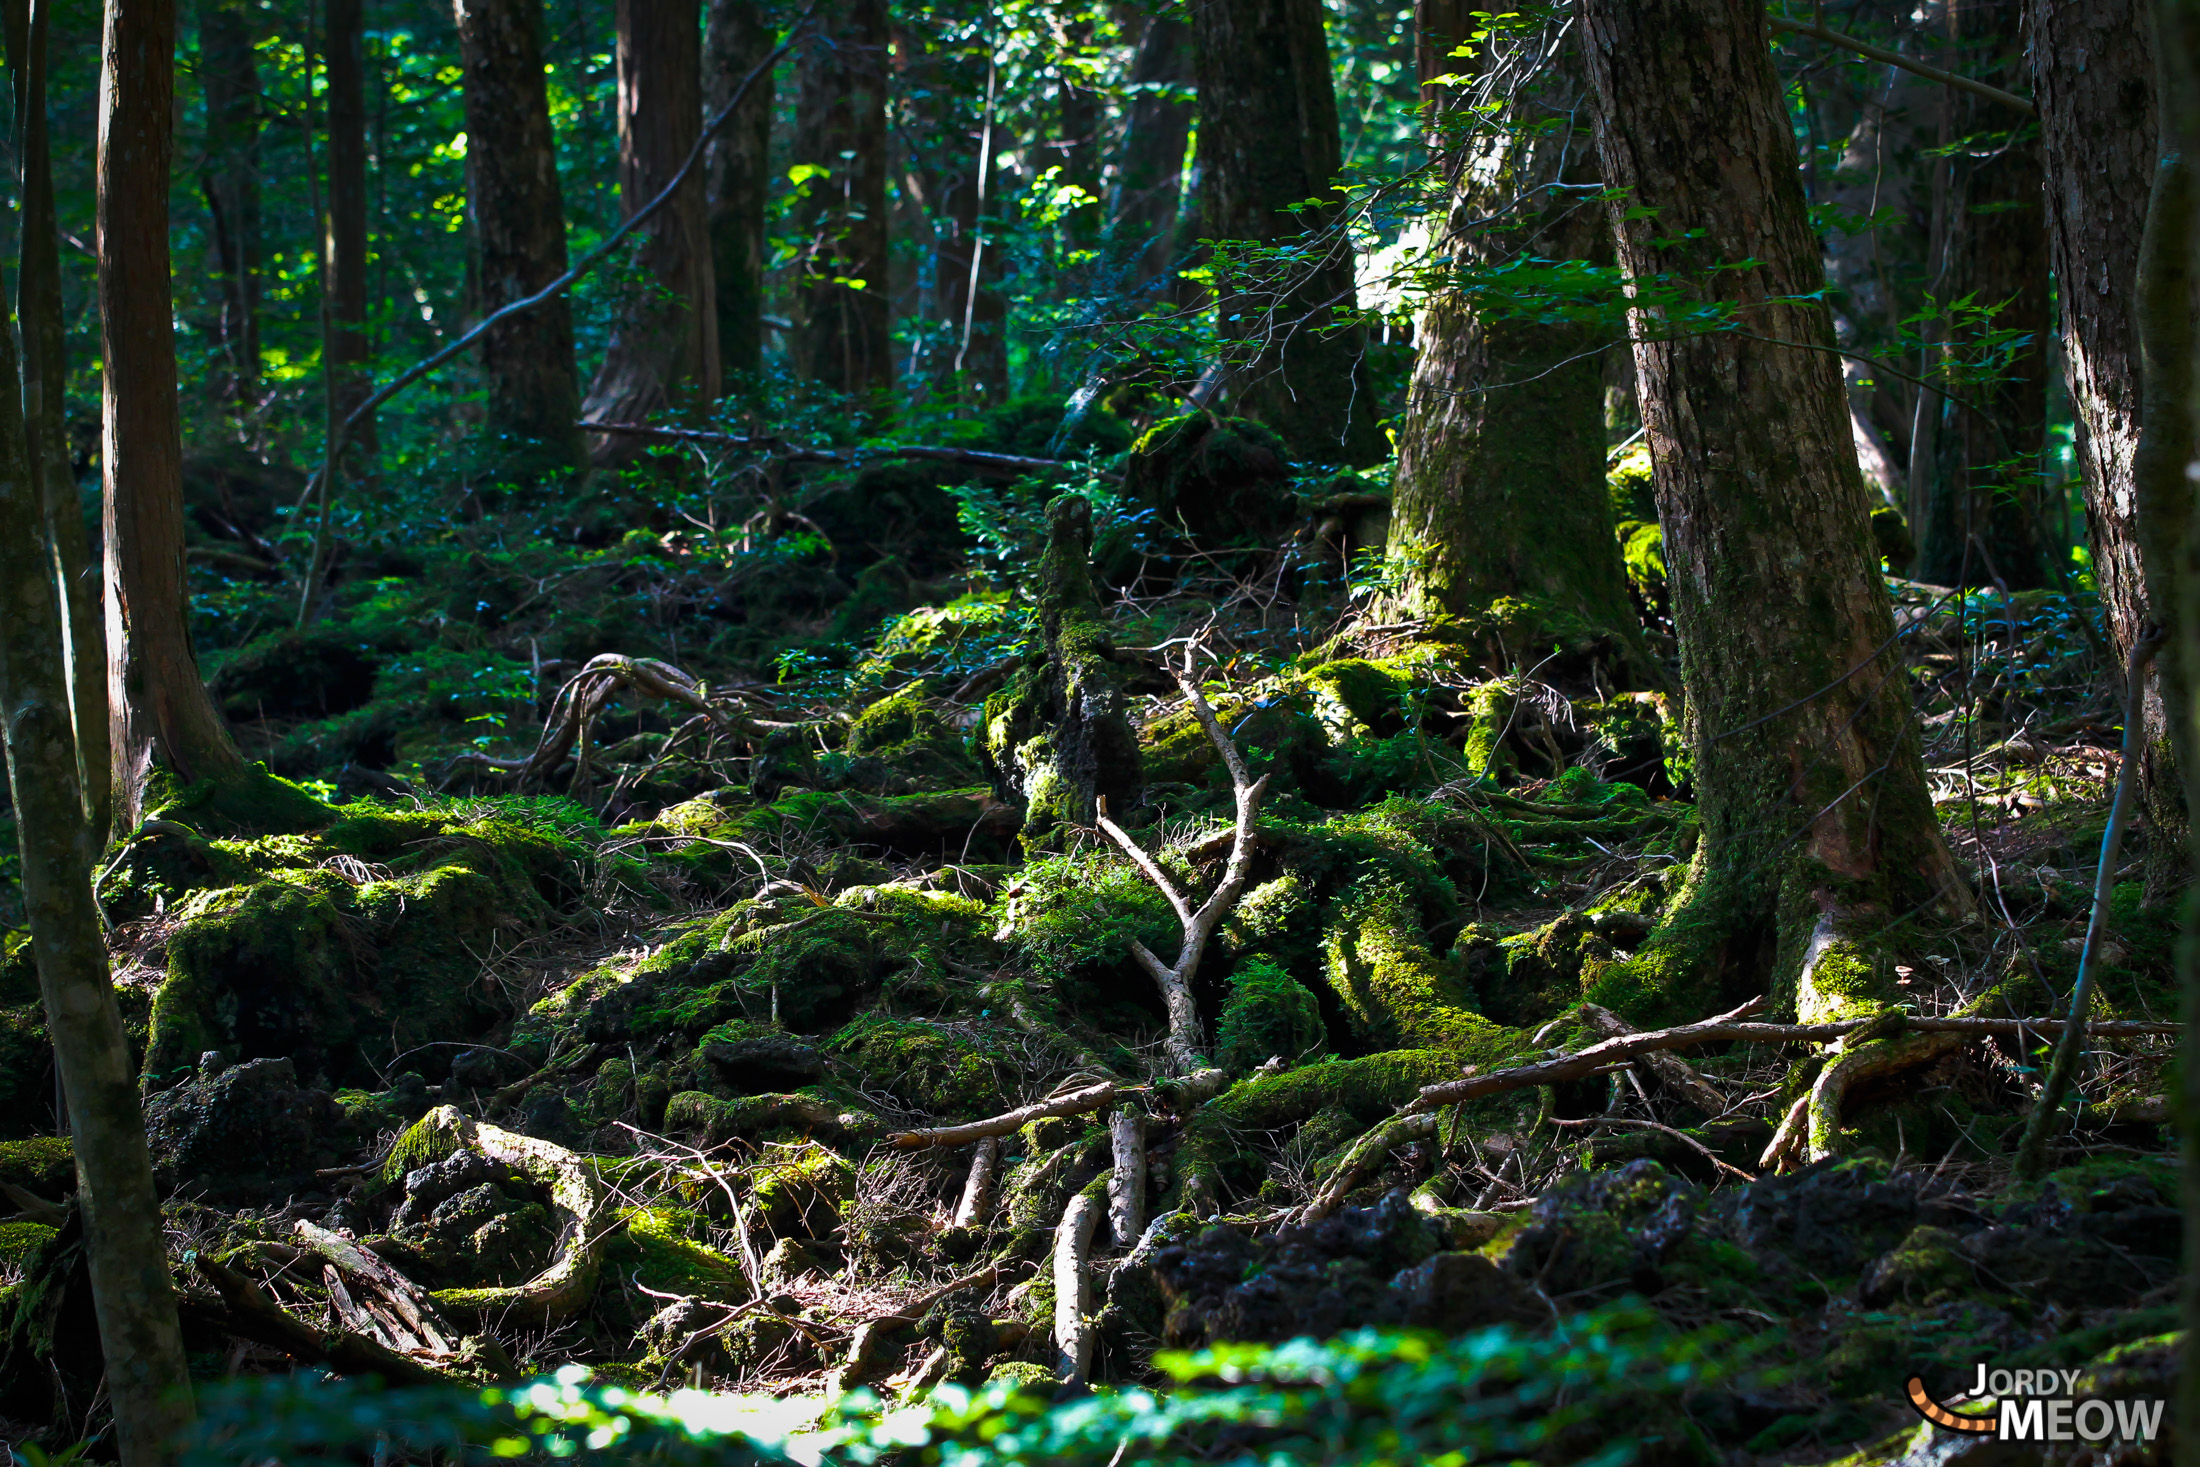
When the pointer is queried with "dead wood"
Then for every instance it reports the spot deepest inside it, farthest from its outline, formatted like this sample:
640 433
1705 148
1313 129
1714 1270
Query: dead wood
1127 1182
982 1187
1075 1103
1073 1333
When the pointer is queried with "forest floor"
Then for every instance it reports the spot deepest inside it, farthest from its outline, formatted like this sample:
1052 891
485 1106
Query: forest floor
665 881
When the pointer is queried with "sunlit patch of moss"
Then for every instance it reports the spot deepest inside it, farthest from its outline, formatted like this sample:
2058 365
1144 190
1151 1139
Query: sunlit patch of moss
1268 1014
935 1067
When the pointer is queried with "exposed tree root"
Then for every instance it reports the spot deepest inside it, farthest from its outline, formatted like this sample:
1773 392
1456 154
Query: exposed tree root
1365 1155
1175 980
1076 1103
576 1199
1127 1182
574 712
1073 1331
982 1188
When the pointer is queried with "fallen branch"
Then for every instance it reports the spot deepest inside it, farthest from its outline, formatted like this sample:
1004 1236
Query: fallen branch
1678 1135
1005 463
1127 1181
1075 1103
1674 1073
868 1334
1073 1333
1364 1156
245 1311
412 1303
573 714
982 1188
1725 1027
1175 980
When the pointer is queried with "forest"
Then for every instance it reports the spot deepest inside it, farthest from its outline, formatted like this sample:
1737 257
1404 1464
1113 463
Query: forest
1168 731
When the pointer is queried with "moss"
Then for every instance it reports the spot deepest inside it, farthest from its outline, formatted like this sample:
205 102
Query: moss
1268 1013
1076 916
716 1120
424 1143
1628 479
1642 551
1357 698
42 1164
798 1188
1379 965
18 1240
249 801
931 1066
1220 482
660 1256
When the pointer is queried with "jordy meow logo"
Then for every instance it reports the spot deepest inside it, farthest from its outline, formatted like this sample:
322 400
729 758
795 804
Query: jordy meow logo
2037 1406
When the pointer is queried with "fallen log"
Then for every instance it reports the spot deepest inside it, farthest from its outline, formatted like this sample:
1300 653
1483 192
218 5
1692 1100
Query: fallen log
868 1334
245 1311
1075 1103
411 1302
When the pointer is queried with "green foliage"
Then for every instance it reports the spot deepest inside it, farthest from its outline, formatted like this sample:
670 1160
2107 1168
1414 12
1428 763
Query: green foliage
1601 1388
1268 1014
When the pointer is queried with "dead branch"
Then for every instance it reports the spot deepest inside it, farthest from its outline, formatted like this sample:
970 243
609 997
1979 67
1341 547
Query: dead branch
1175 980
1725 1027
1127 1182
1786 1139
868 1334
1678 1135
982 1188
1364 1156
1073 1331
245 1311
411 1302
1008 464
573 713
1075 1103
1674 1073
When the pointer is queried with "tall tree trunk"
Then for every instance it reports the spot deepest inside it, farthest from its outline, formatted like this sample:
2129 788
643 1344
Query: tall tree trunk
666 340
1149 176
1983 520
159 712
738 178
1818 832
140 1339
1500 492
45 406
345 262
1267 142
952 120
229 182
519 230
1075 146
2093 81
841 337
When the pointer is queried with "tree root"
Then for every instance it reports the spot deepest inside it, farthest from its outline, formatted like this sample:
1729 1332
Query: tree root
1175 980
1874 1059
577 1200
982 1188
574 711
1073 1331
1364 1156
1075 1103
1127 1182
865 1342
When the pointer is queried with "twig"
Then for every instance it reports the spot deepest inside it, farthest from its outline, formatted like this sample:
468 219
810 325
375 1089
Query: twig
1678 1135
1906 63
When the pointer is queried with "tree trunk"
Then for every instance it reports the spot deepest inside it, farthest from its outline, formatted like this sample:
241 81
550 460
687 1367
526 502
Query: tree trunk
2093 80
1149 178
140 1340
666 340
1983 522
45 401
159 711
841 338
1500 492
345 264
951 106
519 229
1075 147
229 181
738 178
1268 141
1817 830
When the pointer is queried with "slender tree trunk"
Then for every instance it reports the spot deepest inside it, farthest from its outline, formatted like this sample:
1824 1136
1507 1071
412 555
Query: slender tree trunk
666 340
1142 215
953 121
140 1339
1983 521
738 176
1818 833
519 229
229 182
345 238
2093 80
1500 494
159 711
1076 144
45 405
1267 142
842 338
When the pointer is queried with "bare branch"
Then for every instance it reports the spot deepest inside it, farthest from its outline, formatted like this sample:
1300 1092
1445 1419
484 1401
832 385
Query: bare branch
1073 1331
1075 1103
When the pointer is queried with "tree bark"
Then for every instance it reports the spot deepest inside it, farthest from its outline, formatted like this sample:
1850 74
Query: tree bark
345 238
1268 141
1149 178
229 182
1983 522
140 1340
841 337
159 710
951 111
2093 81
45 400
738 178
1818 832
519 230
1500 492
666 340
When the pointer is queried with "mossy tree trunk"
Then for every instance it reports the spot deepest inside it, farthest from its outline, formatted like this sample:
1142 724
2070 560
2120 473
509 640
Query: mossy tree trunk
2093 80
142 1344
1500 491
45 399
1268 142
518 214
841 335
1818 835
1982 523
159 710
665 342
738 178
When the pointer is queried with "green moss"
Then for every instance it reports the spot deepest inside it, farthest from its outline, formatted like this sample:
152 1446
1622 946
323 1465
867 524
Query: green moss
716 1120
1268 1013
18 1240
931 1066
798 1188
1357 698
662 1257
1628 480
248 801
42 1164
423 1143
1397 992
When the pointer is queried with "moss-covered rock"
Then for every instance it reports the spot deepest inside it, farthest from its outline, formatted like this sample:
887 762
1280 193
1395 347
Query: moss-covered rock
1221 483
934 1067
1268 1014
45 1165
798 1188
